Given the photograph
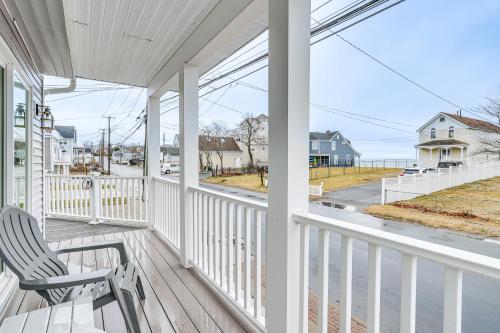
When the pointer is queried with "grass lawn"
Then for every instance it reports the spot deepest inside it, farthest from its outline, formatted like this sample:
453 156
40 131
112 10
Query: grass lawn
472 208
336 178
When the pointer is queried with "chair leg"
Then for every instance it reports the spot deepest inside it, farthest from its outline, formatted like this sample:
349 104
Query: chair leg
140 289
126 303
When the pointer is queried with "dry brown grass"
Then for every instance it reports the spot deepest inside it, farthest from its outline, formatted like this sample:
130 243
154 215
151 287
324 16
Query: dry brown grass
472 208
337 179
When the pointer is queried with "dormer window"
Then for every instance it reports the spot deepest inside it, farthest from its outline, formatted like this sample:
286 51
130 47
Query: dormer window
433 133
441 119
451 132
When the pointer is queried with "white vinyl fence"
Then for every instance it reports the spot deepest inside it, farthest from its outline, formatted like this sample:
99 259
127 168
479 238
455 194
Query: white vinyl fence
122 199
412 186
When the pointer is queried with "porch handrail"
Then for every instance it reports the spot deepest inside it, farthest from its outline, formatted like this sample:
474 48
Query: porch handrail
260 205
114 198
469 261
455 261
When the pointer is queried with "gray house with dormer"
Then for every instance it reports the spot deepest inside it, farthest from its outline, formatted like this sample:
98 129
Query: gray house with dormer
331 149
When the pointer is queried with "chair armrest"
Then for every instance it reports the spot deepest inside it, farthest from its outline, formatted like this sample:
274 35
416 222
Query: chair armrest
116 244
66 281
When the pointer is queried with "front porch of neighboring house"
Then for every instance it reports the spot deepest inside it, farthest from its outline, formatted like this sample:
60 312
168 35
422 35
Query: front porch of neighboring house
212 261
432 152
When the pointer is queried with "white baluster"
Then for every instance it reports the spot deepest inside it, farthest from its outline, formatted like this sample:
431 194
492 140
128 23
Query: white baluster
346 284
373 304
452 313
408 293
304 275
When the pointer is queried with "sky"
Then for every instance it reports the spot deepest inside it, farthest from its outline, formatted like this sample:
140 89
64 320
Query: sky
451 48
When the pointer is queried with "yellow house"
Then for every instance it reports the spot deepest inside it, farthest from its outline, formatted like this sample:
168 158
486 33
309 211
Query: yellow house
453 137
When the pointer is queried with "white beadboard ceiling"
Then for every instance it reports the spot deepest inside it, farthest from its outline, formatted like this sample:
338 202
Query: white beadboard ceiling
134 42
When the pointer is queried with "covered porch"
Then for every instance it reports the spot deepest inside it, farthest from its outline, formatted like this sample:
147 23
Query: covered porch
213 261
432 152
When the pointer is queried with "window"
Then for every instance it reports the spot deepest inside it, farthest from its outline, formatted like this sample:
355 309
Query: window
334 145
451 132
315 145
343 142
441 119
348 159
20 149
433 133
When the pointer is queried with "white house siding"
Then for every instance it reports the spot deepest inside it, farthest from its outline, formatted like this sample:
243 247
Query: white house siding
13 39
471 136
230 159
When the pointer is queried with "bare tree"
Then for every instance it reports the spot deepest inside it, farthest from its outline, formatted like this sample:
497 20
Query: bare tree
220 132
205 149
249 134
491 143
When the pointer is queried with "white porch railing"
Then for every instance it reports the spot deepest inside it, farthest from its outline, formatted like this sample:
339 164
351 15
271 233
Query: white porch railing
229 242
455 262
412 186
166 209
122 199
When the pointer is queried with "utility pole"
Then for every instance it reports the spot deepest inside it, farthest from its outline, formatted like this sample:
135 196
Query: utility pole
163 157
92 157
109 143
101 153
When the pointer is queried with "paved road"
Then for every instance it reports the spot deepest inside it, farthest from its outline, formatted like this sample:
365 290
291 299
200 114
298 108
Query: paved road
358 197
481 297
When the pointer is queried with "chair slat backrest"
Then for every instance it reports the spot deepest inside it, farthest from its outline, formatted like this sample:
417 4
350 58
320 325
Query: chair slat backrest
26 253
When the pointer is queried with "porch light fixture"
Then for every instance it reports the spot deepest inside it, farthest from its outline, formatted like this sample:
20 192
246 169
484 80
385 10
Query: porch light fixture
20 117
47 119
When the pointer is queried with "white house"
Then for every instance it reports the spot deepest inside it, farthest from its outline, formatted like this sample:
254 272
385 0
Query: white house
228 148
56 159
68 140
453 137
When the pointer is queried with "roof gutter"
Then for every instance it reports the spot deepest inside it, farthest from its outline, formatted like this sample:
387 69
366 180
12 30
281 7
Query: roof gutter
63 90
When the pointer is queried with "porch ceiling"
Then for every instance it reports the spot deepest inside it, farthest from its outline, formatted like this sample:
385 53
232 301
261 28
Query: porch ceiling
131 41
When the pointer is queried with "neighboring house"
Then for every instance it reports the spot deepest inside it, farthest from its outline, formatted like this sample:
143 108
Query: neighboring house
261 151
68 141
331 149
56 159
453 137
169 153
232 154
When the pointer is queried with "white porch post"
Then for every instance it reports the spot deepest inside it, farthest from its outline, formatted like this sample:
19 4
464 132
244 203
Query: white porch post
430 157
188 142
462 154
289 57
153 151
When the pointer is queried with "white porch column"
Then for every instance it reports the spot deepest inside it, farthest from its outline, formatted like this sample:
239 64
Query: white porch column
289 58
153 151
430 157
462 154
188 142
153 137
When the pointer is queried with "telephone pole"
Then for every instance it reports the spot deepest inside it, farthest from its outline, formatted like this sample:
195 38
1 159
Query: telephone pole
163 156
101 153
109 143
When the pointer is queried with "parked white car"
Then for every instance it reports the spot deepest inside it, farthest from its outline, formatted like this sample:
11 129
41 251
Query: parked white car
411 171
168 168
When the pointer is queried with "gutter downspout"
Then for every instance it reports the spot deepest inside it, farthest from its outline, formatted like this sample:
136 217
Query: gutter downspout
64 90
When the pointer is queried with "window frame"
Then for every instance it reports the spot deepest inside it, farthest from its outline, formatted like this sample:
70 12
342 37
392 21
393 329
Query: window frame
433 133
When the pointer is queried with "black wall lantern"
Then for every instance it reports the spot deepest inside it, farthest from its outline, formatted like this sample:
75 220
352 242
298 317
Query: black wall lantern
46 119
20 117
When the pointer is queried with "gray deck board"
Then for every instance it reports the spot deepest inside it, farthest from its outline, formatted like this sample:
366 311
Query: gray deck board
176 301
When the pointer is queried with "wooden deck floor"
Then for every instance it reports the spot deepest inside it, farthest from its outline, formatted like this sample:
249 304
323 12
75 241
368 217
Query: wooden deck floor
176 301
